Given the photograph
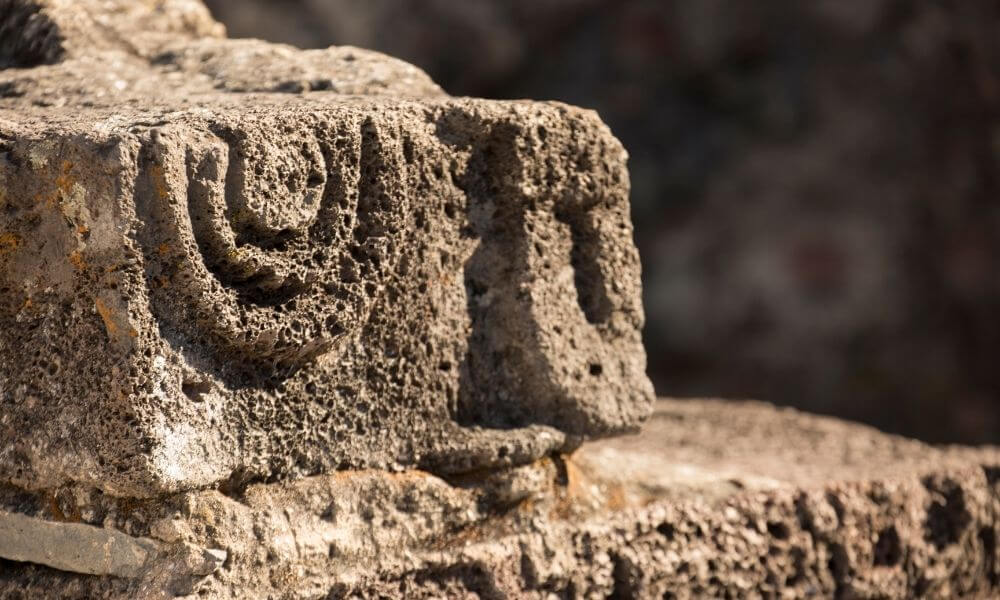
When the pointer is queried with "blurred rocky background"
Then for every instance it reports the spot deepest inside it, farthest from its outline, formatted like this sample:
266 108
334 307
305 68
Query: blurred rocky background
815 183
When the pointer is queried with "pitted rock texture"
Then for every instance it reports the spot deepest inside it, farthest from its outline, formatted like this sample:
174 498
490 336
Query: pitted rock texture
713 500
226 261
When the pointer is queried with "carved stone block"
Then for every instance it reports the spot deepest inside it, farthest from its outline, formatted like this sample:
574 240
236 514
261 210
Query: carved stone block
226 260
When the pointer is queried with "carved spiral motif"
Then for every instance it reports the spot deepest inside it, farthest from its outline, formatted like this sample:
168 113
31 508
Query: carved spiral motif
268 245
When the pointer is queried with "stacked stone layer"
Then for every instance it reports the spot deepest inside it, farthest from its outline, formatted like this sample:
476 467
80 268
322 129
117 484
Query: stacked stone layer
713 499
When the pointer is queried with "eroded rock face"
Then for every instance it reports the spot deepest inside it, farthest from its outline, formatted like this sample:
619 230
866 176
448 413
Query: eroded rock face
228 260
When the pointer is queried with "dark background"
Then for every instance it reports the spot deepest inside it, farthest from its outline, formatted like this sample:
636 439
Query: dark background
814 182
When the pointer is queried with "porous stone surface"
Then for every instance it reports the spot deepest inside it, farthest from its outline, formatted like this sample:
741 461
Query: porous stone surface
225 261
789 161
713 500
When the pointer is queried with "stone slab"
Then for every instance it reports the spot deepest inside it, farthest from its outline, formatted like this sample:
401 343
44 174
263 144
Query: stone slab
713 499
90 550
225 261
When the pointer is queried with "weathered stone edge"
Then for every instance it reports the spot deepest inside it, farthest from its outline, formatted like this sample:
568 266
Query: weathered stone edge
932 535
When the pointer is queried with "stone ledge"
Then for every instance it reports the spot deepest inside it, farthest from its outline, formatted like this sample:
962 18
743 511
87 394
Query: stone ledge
713 499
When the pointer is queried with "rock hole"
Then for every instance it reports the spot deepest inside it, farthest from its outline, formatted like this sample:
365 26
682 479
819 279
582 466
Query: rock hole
778 530
888 549
992 473
315 179
988 539
408 153
596 370
800 570
947 516
196 389
9 90
667 530
625 579
587 274
840 567
320 85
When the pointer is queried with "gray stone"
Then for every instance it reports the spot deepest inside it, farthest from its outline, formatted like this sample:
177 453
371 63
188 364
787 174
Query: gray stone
91 550
73 546
713 500
226 261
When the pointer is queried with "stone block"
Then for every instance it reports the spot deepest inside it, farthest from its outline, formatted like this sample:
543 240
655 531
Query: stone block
712 500
226 261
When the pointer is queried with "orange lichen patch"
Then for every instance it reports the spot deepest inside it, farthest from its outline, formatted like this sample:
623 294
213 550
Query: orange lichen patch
163 249
76 259
575 479
64 185
82 229
615 497
115 329
65 181
583 494
109 322
9 242
73 516
54 509
63 189
160 181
